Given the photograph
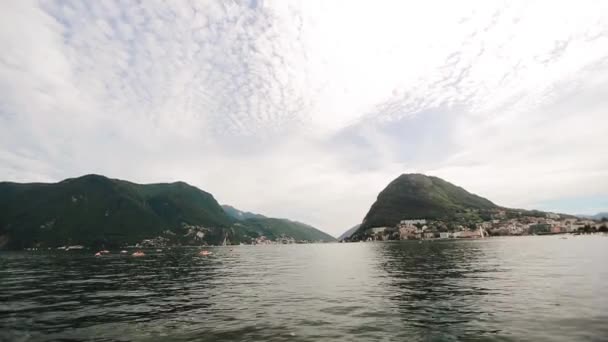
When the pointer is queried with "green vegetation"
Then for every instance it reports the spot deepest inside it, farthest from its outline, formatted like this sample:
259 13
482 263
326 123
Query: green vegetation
97 211
274 228
588 229
413 196
240 215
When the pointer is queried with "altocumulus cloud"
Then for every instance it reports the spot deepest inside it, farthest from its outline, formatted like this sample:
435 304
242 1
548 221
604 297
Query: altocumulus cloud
308 109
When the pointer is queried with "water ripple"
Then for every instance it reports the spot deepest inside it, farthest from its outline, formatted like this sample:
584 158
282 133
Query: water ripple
513 289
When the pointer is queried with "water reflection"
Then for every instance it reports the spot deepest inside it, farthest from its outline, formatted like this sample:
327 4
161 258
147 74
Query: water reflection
436 287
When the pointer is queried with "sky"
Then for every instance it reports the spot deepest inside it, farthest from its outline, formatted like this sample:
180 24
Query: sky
308 109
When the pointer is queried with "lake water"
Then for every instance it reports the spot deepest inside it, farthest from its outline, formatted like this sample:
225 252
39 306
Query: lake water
503 289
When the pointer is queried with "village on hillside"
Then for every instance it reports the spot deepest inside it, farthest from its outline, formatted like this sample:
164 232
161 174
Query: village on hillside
500 223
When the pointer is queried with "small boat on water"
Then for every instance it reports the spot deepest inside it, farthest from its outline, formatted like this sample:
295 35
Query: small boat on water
123 252
138 254
98 254
204 253
75 247
105 251
159 250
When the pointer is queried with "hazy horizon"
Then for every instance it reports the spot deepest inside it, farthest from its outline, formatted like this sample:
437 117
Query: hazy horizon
308 110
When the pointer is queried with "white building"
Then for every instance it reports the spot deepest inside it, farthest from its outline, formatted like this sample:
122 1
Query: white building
376 230
445 235
412 222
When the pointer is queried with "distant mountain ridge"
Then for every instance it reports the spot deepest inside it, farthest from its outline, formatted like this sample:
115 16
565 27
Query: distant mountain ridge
239 214
597 217
277 227
347 234
95 210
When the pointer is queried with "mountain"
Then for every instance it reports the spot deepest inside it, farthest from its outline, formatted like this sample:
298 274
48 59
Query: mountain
274 228
414 196
95 210
597 217
240 215
348 233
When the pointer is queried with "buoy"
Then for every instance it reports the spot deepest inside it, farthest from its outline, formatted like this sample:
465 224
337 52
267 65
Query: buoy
124 252
97 254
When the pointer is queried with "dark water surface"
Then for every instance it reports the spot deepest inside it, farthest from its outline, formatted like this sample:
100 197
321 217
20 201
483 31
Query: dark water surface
505 289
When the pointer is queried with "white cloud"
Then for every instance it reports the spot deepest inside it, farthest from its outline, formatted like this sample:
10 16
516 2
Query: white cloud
308 109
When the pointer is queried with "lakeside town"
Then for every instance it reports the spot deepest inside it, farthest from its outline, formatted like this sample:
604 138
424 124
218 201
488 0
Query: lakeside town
499 223
160 242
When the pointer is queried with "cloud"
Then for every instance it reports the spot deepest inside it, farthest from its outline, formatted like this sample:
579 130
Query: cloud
308 109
